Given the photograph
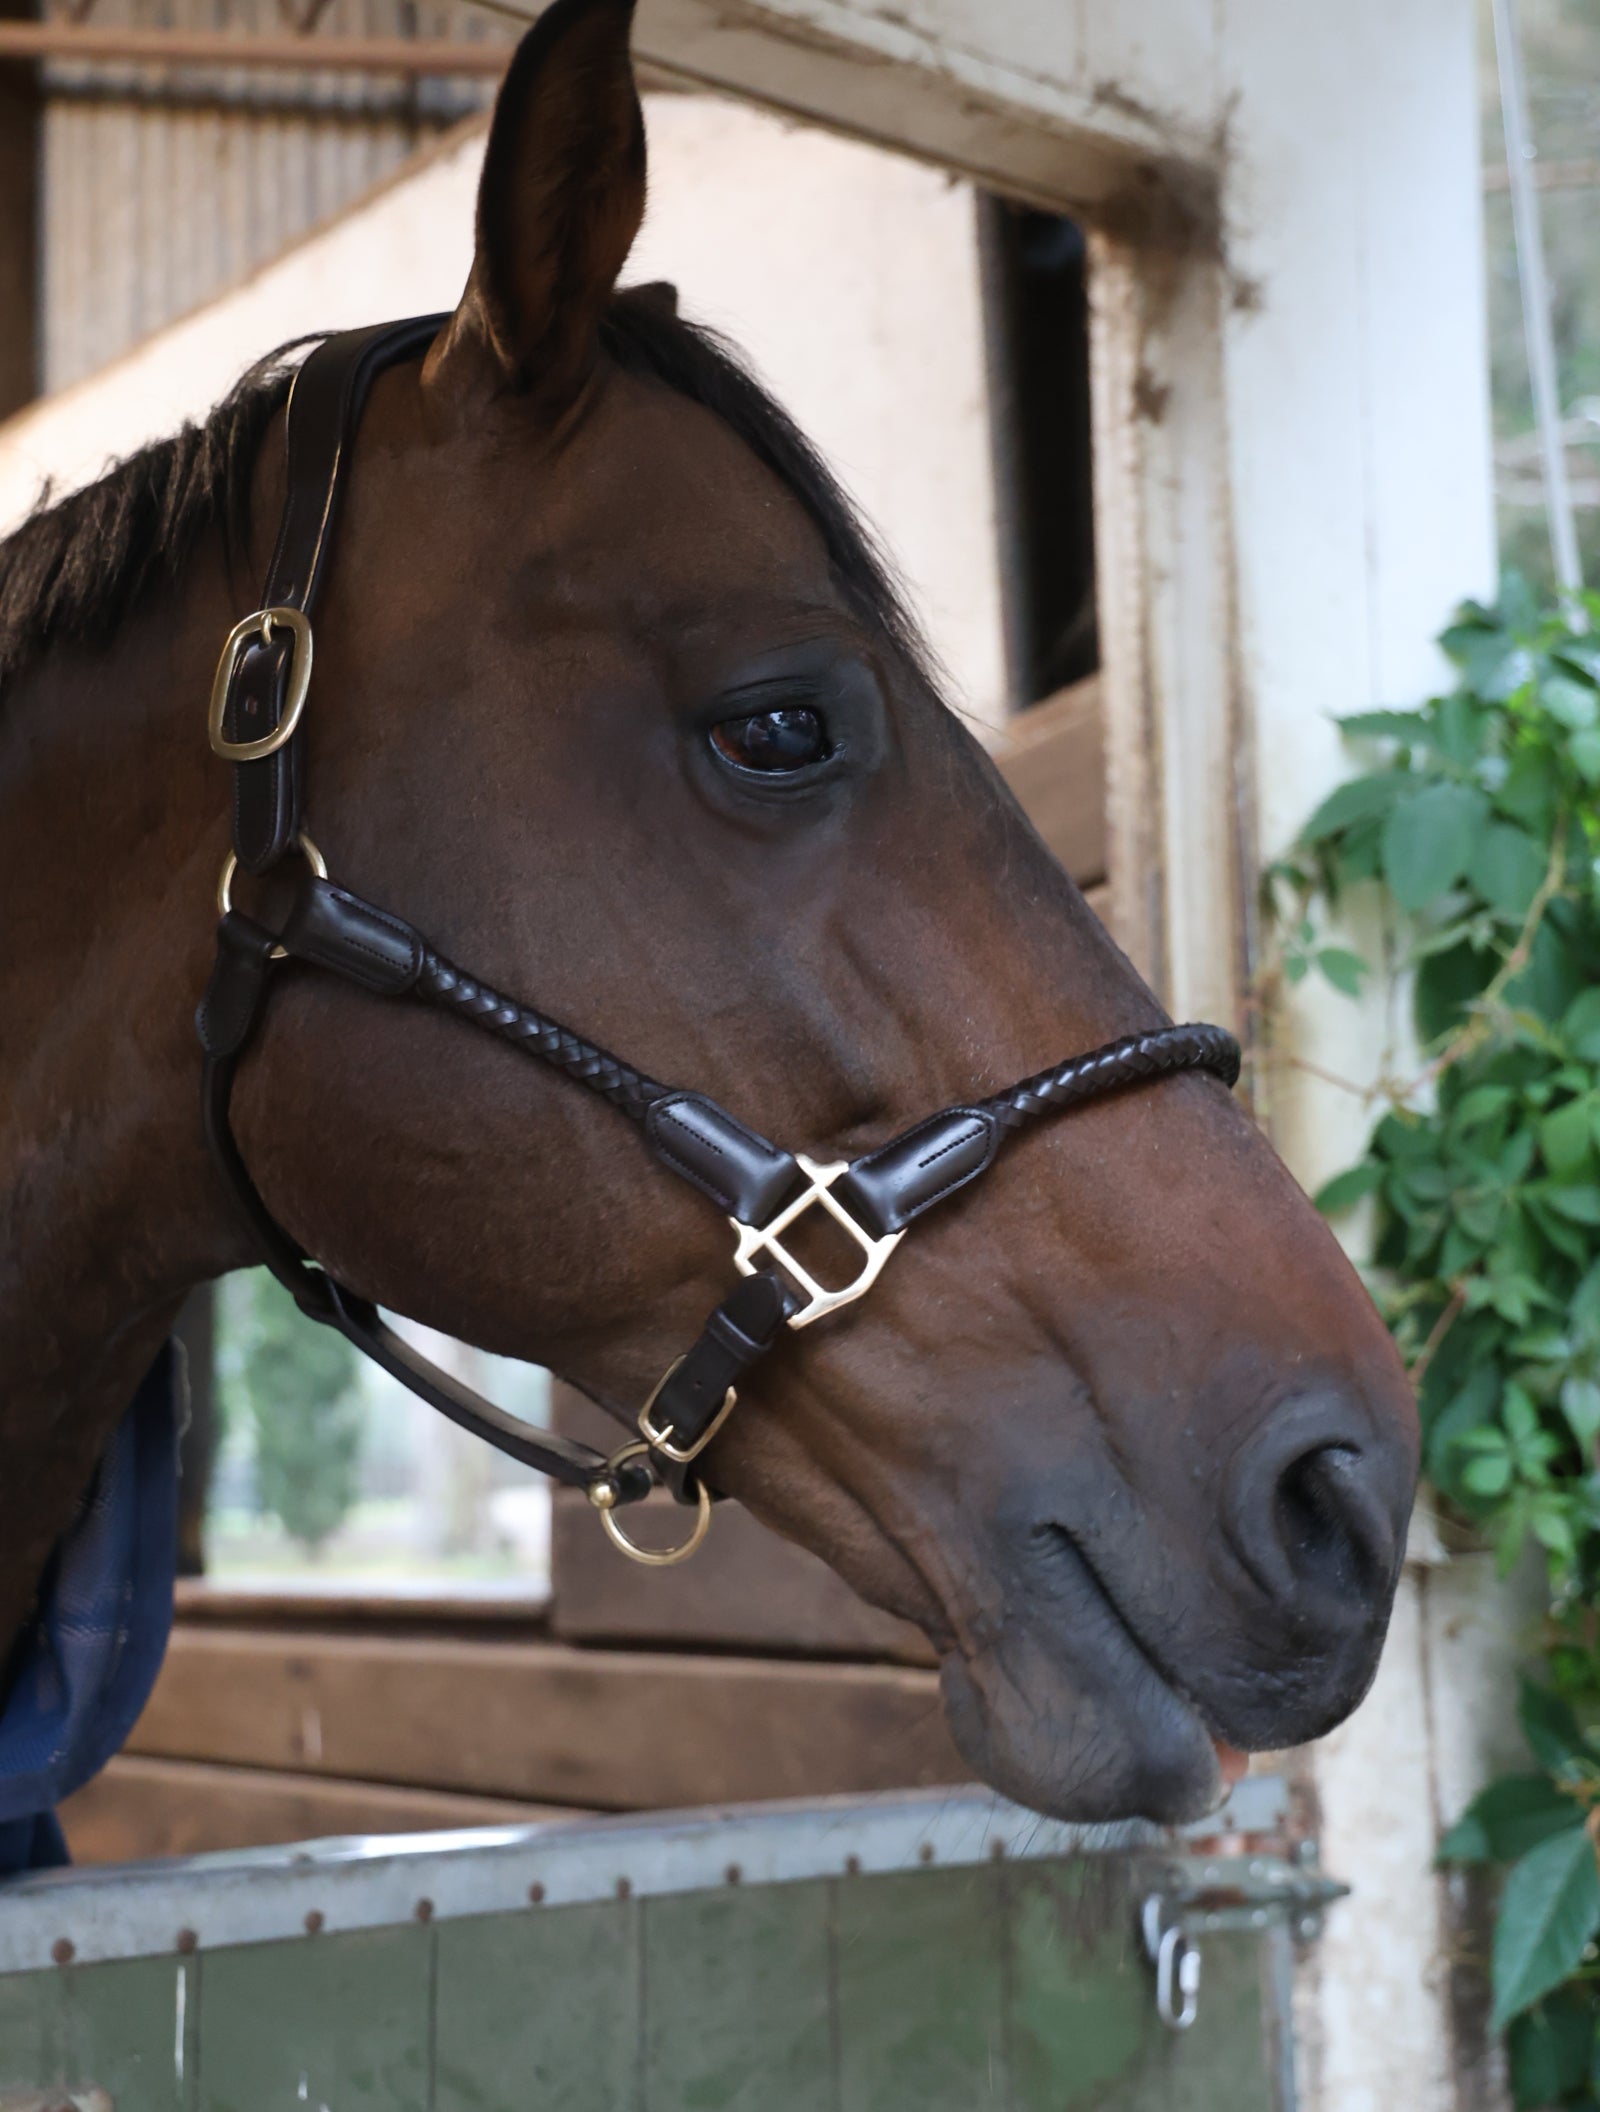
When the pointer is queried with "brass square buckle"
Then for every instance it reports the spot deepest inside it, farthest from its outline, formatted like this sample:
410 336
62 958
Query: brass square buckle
758 1239
260 626
661 1440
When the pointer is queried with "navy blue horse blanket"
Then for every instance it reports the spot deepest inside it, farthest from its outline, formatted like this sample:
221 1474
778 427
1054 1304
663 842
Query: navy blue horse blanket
83 1669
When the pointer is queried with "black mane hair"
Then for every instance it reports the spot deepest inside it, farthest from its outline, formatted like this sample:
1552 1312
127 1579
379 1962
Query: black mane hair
76 570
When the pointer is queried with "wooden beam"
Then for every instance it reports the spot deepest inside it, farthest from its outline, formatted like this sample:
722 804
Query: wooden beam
747 1589
139 1808
20 130
88 41
599 1728
1054 759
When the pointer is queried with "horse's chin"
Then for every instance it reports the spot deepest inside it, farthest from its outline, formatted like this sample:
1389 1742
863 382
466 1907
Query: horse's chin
1089 1749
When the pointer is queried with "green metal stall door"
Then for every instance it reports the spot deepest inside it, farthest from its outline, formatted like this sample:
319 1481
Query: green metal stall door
1018 1987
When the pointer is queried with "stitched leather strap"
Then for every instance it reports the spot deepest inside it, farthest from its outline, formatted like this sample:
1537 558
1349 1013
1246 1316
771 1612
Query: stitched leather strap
324 406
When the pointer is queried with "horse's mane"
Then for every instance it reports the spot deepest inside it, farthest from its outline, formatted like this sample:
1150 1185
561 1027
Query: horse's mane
75 571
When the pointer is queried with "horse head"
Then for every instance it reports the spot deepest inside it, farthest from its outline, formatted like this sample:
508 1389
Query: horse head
615 700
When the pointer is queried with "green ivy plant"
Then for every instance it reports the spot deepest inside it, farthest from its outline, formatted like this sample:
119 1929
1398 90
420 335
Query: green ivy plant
1475 834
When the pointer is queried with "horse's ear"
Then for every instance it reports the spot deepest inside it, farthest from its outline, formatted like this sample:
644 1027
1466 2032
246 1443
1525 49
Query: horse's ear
559 202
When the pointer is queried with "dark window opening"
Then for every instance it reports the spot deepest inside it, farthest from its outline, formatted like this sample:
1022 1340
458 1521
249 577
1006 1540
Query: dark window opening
1036 303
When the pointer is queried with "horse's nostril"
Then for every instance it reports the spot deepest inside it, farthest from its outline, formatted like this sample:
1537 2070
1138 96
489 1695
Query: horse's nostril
1321 1529
1314 1510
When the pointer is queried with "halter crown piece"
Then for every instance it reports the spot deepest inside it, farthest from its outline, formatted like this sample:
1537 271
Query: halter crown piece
258 703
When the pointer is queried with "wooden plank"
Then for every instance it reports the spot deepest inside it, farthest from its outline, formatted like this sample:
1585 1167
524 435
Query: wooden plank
20 132
344 2023
397 1607
921 1992
739 2016
1053 758
539 2010
139 1808
606 1729
747 1589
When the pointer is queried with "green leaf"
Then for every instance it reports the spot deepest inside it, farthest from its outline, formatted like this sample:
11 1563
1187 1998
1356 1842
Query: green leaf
1551 2048
1497 667
1580 1404
1343 969
1579 653
1571 704
1410 726
1358 799
1507 1819
1507 866
1487 1475
1581 1026
1584 748
1566 1137
1552 1731
1346 1189
1580 1202
1550 1909
1428 839
1532 790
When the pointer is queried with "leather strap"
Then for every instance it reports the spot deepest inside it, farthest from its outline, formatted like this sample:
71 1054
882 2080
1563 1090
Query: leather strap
325 404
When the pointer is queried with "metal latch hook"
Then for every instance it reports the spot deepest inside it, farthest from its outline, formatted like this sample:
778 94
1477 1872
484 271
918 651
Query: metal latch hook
1177 1963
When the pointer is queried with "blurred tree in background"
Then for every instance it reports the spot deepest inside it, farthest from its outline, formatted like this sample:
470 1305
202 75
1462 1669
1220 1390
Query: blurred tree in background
295 1385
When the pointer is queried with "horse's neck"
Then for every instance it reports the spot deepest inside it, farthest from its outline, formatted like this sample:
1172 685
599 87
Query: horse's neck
110 829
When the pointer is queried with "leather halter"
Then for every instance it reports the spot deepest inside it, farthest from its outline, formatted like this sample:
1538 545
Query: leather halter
257 703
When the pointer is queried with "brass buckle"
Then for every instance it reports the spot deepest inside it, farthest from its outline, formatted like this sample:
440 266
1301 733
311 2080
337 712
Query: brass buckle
230 865
603 1495
756 1239
659 1441
260 625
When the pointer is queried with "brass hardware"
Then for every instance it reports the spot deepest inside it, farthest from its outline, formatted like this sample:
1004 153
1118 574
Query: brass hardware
682 1454
753 1238
230 865
603 1495
259 625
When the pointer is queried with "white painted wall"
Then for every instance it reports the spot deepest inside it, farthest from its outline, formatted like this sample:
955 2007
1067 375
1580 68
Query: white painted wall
848 276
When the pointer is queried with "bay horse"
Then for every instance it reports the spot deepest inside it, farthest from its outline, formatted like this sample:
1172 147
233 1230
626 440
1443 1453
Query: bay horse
615 697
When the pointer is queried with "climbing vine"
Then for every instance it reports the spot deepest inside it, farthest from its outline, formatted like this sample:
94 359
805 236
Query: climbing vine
1474 834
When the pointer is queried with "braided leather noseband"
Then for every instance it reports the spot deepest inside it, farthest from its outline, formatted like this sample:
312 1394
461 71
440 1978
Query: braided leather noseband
256 708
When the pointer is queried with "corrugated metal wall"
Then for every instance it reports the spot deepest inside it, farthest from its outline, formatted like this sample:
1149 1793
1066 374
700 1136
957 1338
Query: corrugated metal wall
164 186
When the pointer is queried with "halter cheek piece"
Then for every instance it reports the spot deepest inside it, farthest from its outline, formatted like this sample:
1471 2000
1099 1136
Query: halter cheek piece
257 704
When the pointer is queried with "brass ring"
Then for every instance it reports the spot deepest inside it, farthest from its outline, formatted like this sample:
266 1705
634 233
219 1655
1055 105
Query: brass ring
230 865
603 1495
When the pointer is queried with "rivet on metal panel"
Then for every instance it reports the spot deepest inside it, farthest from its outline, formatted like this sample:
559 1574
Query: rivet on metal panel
314 1922
925 1852
852 1866
997 1851
733 1873
63 1951
536 1895
424 1910
624 1888
188 1941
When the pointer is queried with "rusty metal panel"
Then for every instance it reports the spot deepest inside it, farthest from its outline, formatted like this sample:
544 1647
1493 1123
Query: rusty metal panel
163 186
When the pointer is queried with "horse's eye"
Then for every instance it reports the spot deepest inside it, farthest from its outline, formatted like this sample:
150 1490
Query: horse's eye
773 741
